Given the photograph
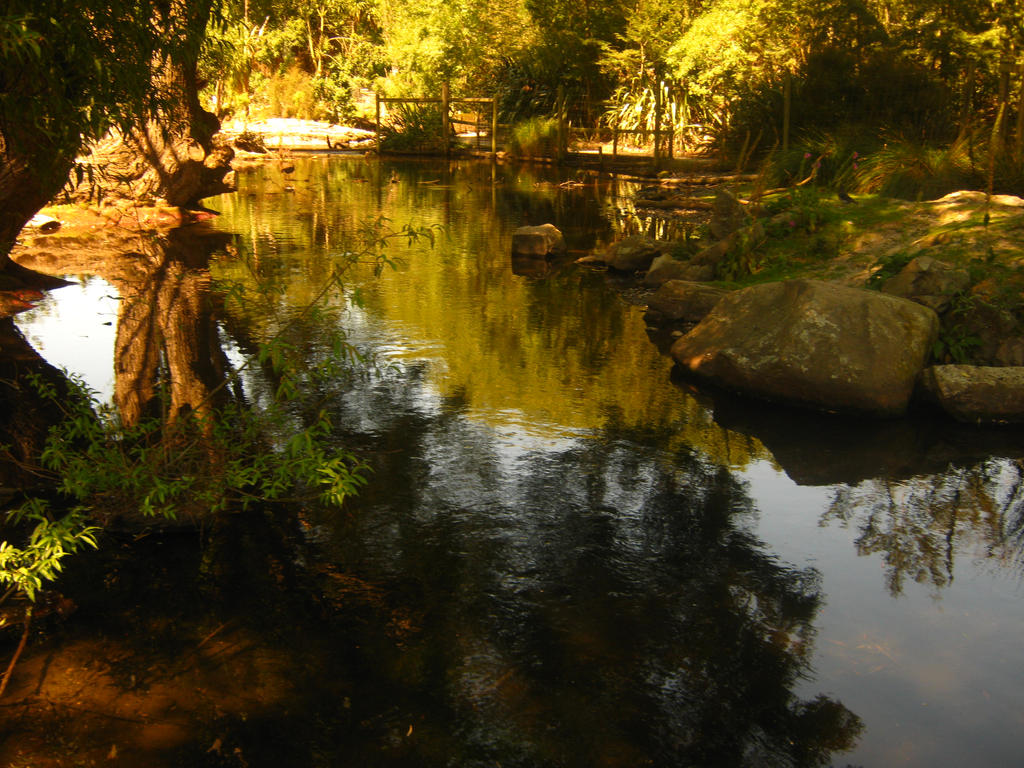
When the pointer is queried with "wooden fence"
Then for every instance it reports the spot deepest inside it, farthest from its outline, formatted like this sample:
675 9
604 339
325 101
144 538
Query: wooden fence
664 135
446 102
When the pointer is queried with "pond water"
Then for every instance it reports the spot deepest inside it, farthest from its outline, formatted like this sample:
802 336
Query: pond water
588 562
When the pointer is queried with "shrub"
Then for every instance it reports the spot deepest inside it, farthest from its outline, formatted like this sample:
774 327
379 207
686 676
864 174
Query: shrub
414 127
830 159
535 137
204 461
915 170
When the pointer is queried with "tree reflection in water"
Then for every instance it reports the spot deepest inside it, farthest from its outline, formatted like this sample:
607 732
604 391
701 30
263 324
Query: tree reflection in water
918 525
166 333
542 598
596 604
600 604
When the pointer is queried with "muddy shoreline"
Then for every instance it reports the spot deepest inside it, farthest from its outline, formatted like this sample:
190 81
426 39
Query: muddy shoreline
199 648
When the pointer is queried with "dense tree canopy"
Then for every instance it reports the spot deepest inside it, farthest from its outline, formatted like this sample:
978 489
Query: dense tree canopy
71 71
909 65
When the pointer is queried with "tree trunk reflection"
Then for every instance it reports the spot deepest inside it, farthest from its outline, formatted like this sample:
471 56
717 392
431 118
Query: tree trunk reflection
166 334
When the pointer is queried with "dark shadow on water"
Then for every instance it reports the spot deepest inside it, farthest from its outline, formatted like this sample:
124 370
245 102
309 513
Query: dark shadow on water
824 449
25 415
592 606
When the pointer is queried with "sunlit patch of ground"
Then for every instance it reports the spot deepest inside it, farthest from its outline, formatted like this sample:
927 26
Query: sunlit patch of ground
853 239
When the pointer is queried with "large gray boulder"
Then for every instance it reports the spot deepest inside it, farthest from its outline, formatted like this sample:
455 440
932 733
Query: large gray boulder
813 344
539 241
976 394
682 300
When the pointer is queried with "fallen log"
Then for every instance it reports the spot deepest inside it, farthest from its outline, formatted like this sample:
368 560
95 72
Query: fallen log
687 203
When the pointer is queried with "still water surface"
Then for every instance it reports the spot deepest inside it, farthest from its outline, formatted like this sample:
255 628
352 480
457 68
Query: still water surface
595 565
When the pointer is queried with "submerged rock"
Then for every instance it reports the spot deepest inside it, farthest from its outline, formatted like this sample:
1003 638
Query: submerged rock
682 300
539 241
813 344
667 267
530 266
976 394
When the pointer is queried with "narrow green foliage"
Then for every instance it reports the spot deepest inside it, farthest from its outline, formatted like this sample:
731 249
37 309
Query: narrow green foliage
957 341
955 345
886 267
416 127
915 170
25 569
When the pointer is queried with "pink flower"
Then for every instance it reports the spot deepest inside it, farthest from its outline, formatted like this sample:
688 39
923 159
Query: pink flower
807 155
855 155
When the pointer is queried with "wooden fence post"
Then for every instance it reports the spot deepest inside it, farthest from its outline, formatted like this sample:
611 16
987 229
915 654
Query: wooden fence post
1018 147
560 113
967 101
376 132
445 123
494 128
999 131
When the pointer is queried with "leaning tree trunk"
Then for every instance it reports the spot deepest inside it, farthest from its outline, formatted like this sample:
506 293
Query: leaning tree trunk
176 159
23 191
52 101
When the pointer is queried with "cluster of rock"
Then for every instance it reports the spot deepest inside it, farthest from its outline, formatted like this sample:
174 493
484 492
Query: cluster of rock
811 343
994 335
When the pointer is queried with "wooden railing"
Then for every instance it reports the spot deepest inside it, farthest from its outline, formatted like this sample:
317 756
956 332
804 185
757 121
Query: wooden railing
446 102
664 136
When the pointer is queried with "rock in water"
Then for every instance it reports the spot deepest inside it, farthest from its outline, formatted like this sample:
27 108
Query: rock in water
666 267
537 241
632 254
813 344
44 224
976 394
683 300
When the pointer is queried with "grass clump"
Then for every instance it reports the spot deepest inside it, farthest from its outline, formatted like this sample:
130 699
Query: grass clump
915 170
535 137
414 128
